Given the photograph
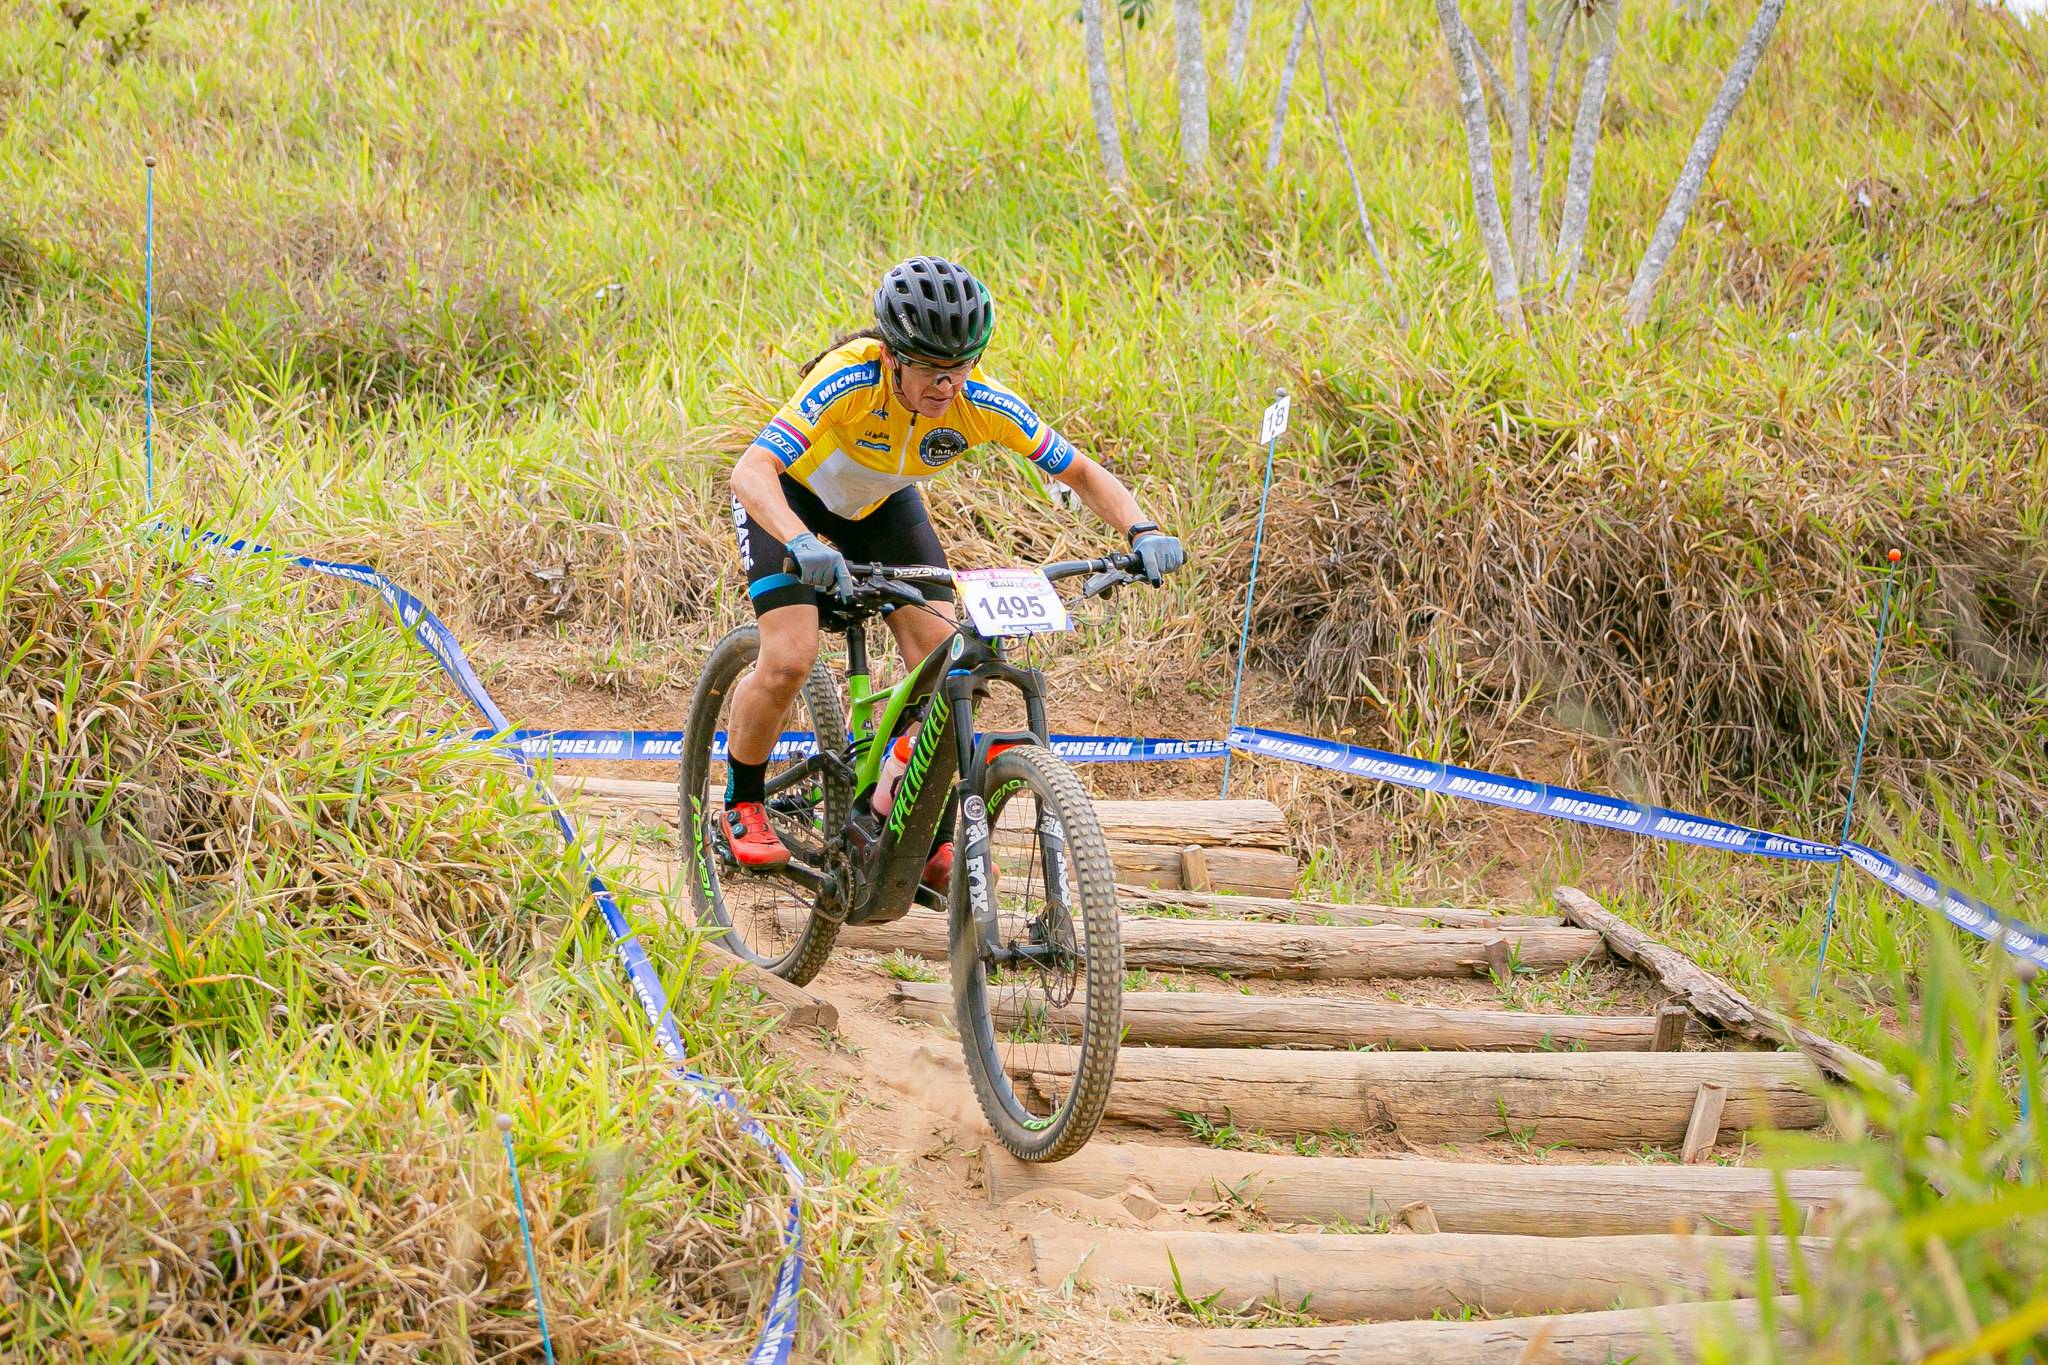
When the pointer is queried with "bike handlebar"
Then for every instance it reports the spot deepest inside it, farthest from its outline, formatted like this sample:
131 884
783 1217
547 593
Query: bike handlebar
894 581
1119 567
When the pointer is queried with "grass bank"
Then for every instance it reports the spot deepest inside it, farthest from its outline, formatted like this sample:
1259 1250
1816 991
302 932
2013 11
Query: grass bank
271 961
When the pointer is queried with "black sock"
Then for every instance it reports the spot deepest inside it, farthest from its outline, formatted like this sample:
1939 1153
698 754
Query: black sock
745 781
945 830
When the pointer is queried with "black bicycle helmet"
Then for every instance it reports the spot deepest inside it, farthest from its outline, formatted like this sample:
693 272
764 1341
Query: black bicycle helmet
931 309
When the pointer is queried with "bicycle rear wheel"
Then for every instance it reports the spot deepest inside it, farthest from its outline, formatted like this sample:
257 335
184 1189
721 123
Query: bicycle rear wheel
766 918
1041 1023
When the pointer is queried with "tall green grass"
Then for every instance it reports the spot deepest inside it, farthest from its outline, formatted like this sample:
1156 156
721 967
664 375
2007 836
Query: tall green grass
270 960
1943 1257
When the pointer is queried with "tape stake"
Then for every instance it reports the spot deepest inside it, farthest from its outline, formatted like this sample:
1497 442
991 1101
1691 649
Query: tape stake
540 1310
1271 425
149 333
1827 928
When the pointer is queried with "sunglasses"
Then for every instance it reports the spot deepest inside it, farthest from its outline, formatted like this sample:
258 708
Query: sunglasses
936 370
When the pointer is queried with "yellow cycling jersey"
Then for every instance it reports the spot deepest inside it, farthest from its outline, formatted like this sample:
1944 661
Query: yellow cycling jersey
850 440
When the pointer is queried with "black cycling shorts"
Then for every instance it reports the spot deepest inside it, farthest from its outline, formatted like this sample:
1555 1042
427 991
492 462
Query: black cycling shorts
898 532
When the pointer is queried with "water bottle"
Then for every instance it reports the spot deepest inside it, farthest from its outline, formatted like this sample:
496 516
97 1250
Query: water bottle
893 765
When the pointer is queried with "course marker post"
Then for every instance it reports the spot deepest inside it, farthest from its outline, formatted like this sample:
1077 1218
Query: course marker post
547 1345
1884 616
148 333
1271 426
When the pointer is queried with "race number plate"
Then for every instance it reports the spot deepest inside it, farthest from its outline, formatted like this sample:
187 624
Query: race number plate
1010 601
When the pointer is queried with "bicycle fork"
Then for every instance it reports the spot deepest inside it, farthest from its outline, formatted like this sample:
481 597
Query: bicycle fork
975 865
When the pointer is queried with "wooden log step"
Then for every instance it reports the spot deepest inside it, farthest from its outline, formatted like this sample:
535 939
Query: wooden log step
1219 906
1294 951
1585 1099
1350 1277
1192 1019
1260 871
1712 998
1551 1201
1244 824
1212 824
1670 1333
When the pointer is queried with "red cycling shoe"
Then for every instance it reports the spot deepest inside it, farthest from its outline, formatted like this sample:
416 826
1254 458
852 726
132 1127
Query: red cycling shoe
938 869
754 842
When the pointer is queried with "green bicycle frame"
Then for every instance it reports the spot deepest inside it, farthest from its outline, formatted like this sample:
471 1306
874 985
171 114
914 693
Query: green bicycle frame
947 760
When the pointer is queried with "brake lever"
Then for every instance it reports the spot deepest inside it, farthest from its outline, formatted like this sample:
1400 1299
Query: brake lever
1105 583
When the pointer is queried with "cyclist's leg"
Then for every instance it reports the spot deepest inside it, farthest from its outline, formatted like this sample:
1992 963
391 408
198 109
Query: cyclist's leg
788 615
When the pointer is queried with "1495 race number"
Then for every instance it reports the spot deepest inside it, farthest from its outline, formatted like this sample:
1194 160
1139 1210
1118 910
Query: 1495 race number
1011 601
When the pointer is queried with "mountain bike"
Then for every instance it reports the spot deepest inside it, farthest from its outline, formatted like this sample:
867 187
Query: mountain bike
1031 912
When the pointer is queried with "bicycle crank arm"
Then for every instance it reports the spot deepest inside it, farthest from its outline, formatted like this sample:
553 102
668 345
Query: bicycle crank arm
804 875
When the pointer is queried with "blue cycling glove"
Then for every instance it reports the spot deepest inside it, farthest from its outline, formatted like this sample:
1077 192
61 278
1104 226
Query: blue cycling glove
820 567
1158 554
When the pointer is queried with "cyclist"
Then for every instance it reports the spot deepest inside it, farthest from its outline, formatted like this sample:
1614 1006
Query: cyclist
834 476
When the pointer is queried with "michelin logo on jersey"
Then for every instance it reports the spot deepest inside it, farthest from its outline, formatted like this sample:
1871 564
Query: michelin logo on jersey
843 381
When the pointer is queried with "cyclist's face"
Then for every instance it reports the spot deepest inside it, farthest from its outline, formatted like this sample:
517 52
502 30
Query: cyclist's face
929 389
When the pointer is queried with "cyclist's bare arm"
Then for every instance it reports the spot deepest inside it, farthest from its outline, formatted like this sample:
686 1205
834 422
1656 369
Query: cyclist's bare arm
756 482
1100 491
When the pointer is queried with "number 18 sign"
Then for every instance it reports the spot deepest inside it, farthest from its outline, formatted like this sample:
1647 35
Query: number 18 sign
1011 601
1274 422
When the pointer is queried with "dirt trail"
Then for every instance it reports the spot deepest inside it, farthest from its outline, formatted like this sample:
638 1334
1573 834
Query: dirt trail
1370 1201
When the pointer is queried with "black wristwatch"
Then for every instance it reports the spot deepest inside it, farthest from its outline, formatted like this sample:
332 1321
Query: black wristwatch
1132 533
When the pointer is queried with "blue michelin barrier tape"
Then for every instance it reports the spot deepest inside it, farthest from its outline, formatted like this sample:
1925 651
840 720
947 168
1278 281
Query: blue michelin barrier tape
666 746
1959 908
778 1331
1560 803
1606 812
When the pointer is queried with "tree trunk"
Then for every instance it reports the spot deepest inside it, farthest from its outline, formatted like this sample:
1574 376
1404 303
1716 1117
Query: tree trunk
1123 48
1193 81
1578 181
1543 146
1357 194
1521 233
1286 94
1494 85
1500 260
1238 46
1108 142
1657 255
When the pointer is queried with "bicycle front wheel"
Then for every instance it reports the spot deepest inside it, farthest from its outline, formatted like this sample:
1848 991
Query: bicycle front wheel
1040 1011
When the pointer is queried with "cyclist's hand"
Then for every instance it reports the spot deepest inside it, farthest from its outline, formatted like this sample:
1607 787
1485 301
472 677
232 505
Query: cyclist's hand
820 567
1158 555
